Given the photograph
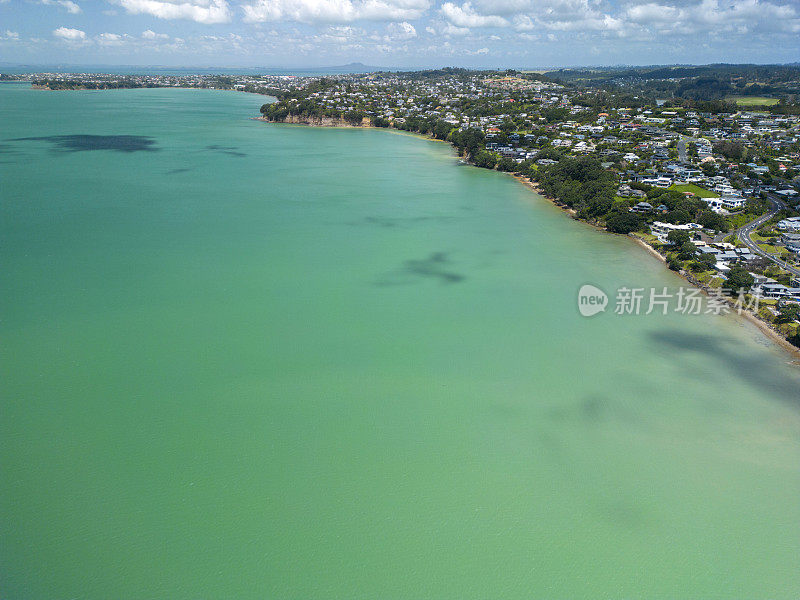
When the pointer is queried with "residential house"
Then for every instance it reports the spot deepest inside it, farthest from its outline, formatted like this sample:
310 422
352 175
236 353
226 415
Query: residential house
791 224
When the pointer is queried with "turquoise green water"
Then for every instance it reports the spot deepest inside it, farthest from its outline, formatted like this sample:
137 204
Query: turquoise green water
252 361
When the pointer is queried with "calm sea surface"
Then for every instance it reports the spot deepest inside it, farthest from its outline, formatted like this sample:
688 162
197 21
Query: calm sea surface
249 361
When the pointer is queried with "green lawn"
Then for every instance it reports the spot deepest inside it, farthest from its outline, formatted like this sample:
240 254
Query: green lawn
760 239
707 277
776 250
753 100
696 190
649 238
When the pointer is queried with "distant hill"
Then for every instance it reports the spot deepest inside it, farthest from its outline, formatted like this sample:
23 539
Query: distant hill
355 67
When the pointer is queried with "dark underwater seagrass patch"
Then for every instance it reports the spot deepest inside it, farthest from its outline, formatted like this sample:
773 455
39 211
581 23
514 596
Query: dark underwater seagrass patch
82 143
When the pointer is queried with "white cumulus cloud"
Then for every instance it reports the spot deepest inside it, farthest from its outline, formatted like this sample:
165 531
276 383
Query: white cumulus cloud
530 15
707 16
651 13
202 11
110 39
334 11
149 34
466 16
401 31
68 5
71 35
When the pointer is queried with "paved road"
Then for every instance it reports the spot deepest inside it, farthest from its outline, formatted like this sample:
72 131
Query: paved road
744 235
682 157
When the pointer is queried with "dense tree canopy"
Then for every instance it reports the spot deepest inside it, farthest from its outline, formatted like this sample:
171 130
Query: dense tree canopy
623 221
738 279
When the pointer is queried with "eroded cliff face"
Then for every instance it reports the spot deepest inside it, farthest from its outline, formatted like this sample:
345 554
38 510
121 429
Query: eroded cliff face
321 121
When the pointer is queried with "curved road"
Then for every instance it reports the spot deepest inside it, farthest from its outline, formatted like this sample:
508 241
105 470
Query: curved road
744 236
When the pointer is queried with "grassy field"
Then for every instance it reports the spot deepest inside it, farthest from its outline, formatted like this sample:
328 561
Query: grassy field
645 237
710 278
752 100
706 276
771 249
760 239
696 190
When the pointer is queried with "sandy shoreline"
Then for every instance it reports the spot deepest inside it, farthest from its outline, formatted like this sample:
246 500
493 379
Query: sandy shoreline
765 327
774 336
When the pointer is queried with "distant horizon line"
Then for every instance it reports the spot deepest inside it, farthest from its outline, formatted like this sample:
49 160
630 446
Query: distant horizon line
373 68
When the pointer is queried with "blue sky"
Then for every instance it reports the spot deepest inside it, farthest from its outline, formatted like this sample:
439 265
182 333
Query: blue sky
398 33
